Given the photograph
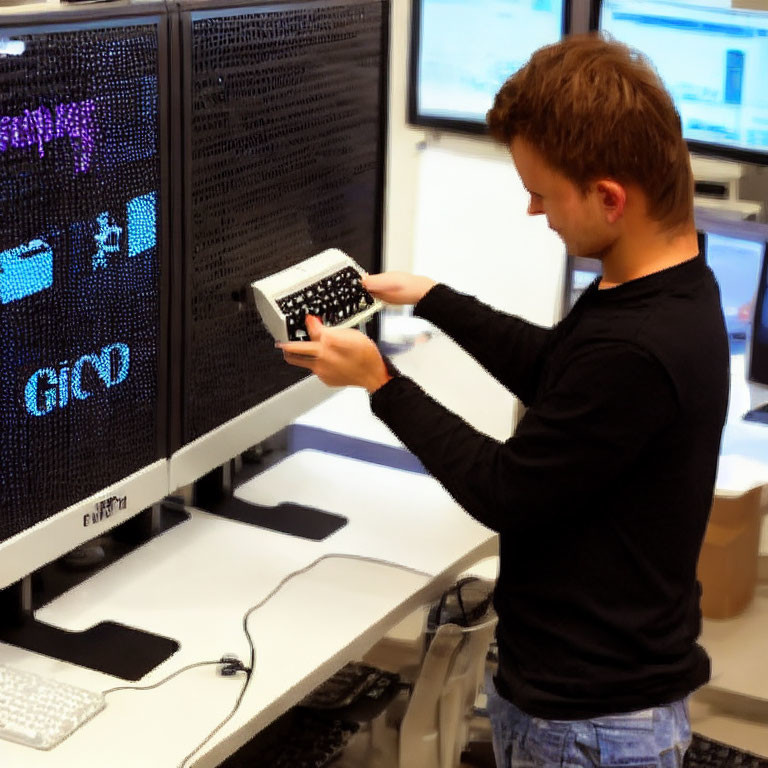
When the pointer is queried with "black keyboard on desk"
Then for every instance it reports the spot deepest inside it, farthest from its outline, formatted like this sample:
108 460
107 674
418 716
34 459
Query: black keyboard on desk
298 739
357 692
316 731
707 753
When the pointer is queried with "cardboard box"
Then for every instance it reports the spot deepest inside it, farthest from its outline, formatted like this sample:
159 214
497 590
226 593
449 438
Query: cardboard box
727 566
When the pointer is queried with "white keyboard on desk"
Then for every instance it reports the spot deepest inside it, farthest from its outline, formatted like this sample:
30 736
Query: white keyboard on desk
41 712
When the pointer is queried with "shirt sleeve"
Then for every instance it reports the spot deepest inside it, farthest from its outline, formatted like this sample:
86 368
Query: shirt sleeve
511 349
605 409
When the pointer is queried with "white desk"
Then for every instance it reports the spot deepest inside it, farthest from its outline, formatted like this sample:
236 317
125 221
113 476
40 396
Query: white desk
743 461
744 450
446 372
195 582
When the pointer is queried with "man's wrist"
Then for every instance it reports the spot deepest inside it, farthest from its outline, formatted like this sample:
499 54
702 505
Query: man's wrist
378 380
384 372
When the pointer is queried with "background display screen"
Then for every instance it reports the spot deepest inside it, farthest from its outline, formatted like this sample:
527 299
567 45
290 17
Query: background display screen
736 263
468 48
79 267
713 60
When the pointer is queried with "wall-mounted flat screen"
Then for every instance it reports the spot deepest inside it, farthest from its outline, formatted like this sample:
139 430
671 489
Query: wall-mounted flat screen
462 51
713 58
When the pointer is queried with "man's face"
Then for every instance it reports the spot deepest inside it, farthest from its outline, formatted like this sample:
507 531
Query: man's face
577 218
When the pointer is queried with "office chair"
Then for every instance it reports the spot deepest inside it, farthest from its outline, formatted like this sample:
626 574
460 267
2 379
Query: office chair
430 727
434 729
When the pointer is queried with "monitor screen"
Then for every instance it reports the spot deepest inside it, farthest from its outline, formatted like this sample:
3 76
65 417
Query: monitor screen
713 60
286 122
758 362
79 263
462 51
736 263
580 273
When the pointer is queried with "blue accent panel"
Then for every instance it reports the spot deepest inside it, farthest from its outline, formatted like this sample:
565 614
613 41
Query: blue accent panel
302 437
25 270
142 223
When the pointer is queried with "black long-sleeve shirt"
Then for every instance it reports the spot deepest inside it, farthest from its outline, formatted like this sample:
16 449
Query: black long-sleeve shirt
601 496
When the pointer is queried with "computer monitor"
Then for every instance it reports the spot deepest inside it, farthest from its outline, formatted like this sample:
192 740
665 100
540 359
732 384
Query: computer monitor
284 118
734 251
713 58
462 51
758 354
83 297
580 273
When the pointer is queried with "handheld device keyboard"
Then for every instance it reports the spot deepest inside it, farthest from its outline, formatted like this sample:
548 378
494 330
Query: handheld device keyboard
327 285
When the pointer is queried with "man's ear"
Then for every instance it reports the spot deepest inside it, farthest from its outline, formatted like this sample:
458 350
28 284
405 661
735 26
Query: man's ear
612 197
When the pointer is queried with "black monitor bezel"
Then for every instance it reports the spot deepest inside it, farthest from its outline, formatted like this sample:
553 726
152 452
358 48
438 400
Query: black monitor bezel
454 125
757 368
706 149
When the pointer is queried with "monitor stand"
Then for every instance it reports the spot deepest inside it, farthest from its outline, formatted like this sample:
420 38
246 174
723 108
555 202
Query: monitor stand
288 518
213 493
109 647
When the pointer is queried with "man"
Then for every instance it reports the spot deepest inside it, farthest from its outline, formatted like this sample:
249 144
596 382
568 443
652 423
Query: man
601 497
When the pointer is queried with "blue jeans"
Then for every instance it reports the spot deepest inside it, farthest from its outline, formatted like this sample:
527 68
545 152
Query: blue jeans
655 737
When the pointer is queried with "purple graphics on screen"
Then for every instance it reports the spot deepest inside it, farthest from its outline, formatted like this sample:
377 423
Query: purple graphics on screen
38 127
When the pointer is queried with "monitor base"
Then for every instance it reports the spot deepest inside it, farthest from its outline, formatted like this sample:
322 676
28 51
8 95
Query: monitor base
115 649
288 518
214 493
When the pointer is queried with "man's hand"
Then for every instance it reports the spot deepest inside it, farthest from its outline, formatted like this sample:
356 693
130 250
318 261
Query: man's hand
339 357
398 287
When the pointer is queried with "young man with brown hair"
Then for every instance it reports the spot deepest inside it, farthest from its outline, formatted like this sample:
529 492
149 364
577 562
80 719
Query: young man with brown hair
602 495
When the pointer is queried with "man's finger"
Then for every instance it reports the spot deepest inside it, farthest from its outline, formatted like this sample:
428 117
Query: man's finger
376 283
309 349
301 361
314 327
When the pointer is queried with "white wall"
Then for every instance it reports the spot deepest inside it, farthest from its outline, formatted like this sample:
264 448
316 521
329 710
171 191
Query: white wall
456 209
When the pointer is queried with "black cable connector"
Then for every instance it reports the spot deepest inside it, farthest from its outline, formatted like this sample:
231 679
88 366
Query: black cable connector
231 665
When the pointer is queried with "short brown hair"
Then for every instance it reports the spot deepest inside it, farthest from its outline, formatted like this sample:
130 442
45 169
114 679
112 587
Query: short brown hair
595 108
